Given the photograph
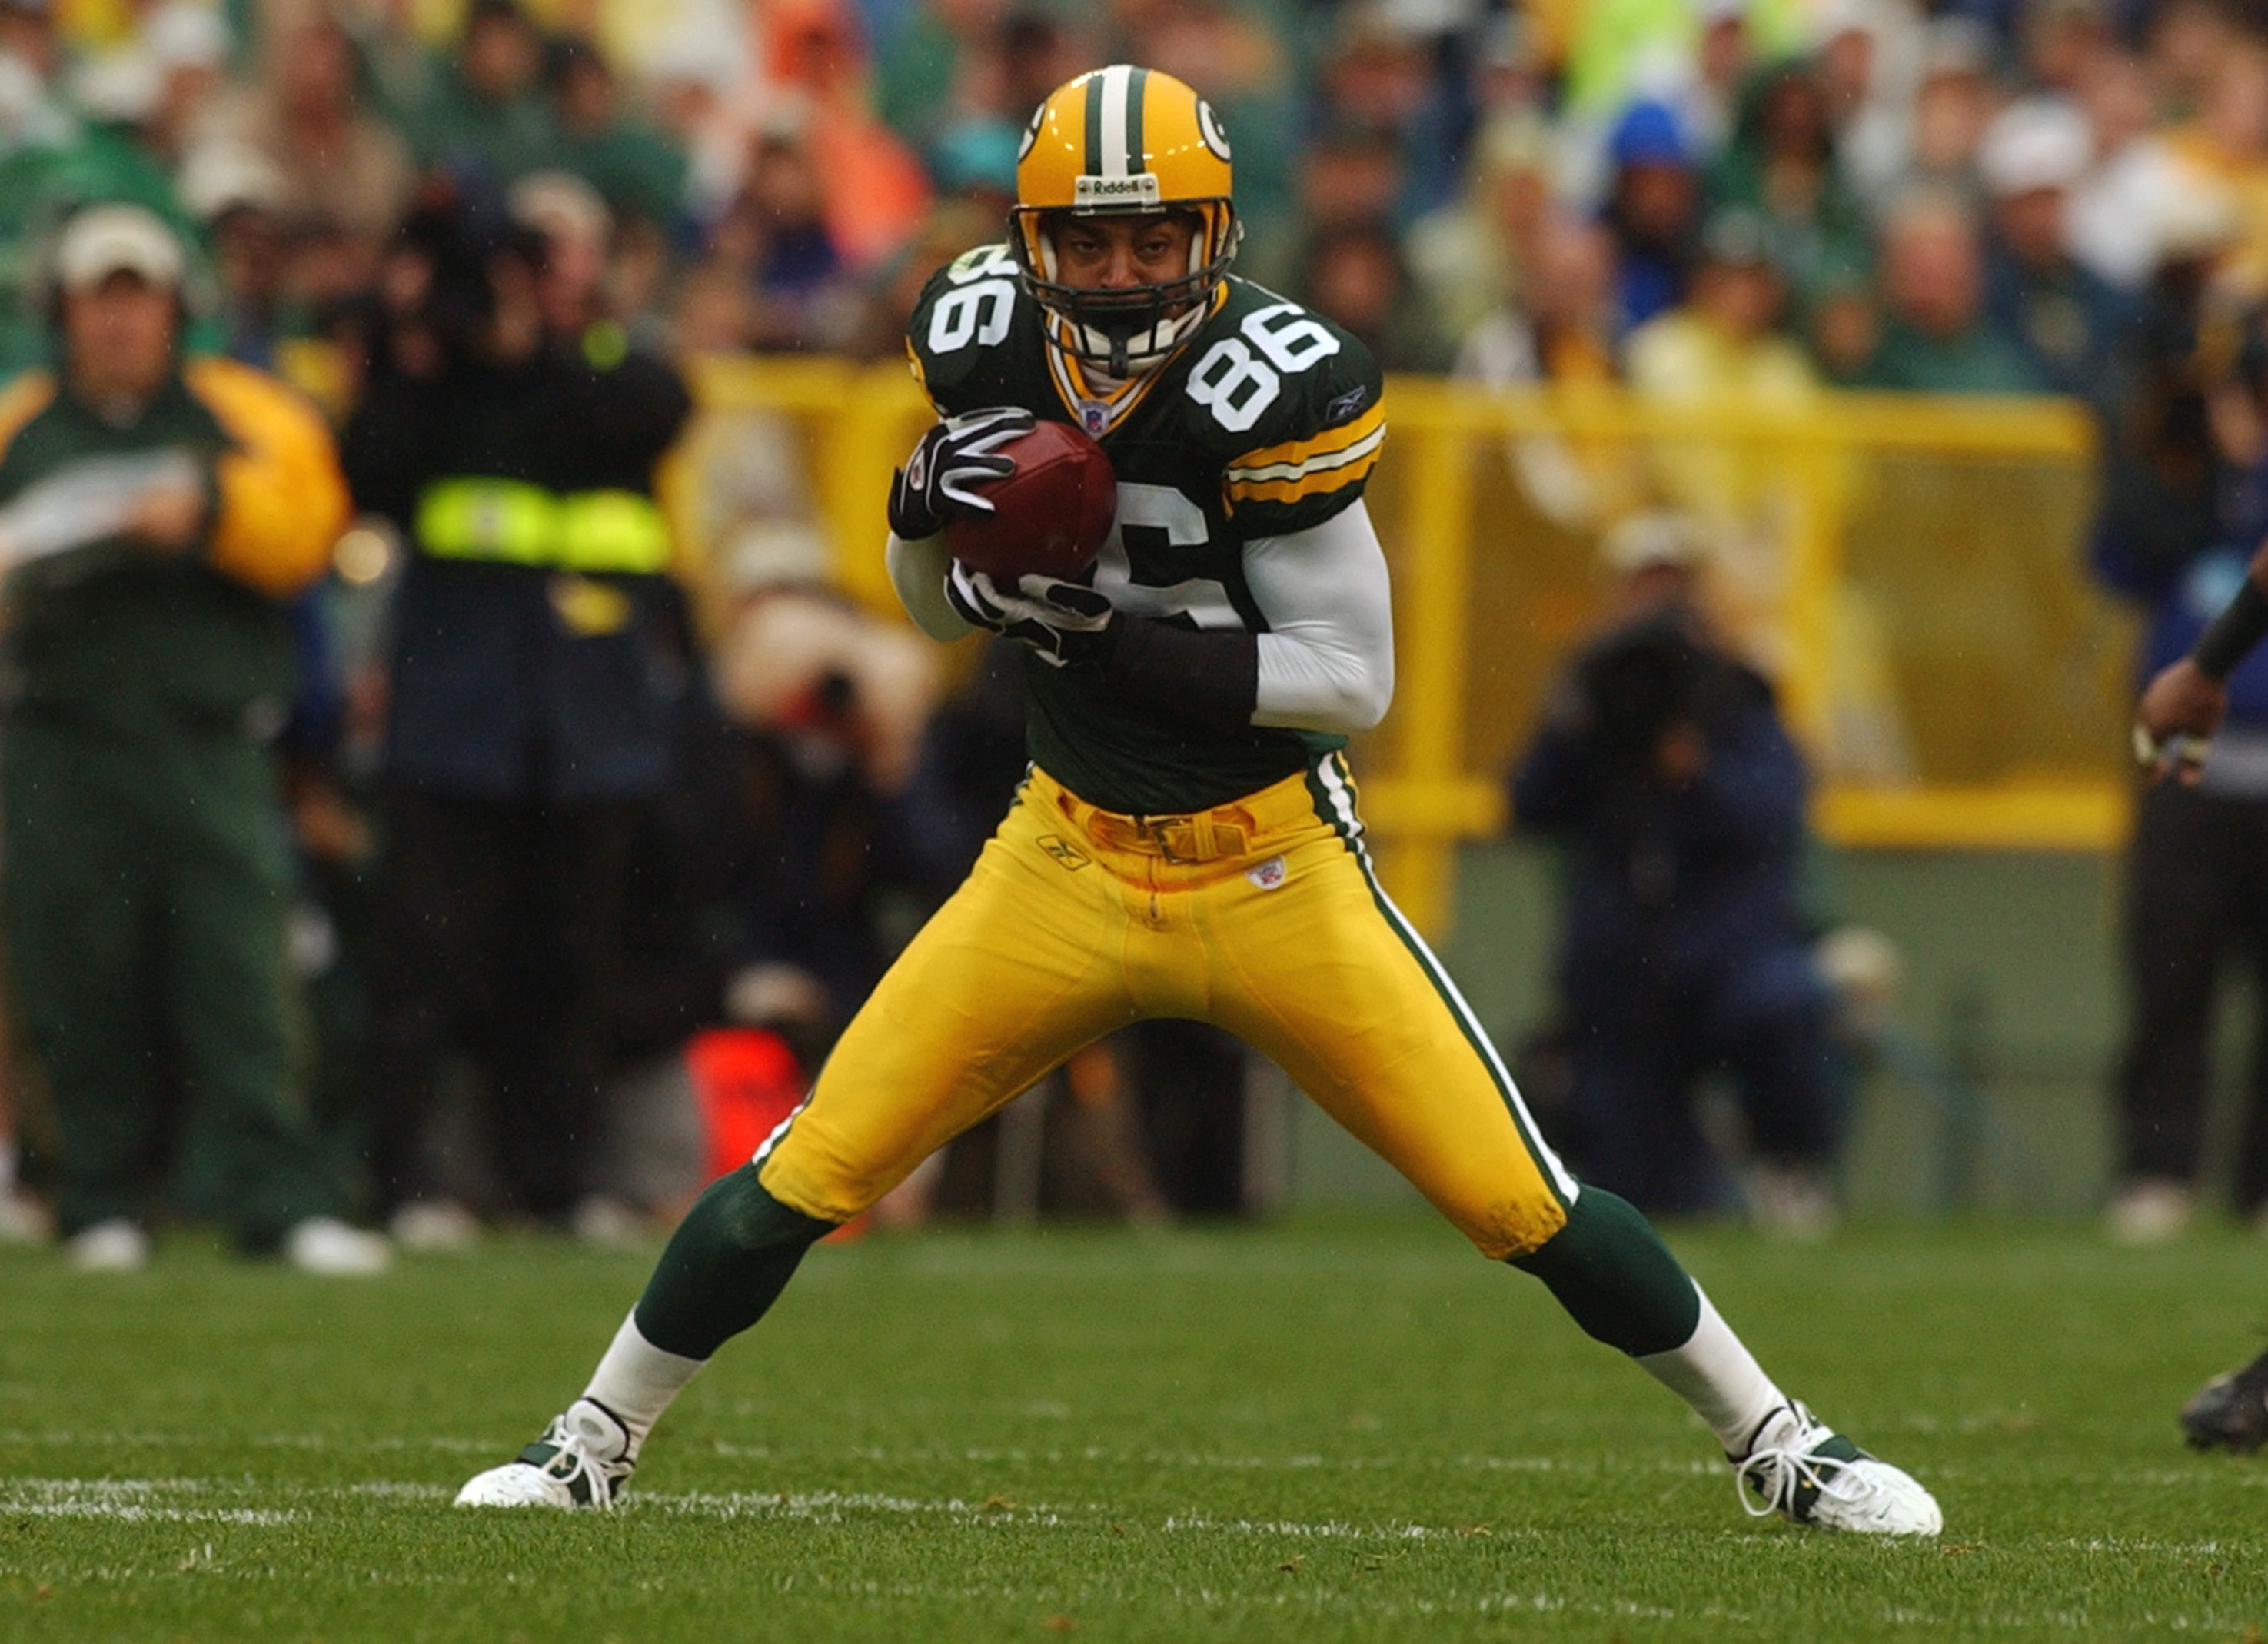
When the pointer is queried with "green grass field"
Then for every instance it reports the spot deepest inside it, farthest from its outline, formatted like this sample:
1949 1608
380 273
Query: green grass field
1321 1432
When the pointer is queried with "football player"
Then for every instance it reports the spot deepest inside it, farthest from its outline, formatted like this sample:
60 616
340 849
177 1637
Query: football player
1187 842
2174 723
2230 1411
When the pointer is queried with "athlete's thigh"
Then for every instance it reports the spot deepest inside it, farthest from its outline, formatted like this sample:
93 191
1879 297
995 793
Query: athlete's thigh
1022 966
1322 976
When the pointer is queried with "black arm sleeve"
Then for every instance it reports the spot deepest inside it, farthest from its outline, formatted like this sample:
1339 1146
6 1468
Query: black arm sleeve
2233 634
1208 677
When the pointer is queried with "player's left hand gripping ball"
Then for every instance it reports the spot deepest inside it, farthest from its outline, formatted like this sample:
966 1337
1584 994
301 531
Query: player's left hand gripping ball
957 453
1064 622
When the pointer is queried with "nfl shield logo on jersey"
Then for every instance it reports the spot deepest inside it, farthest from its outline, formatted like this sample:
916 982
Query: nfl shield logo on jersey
1269 874
1096 417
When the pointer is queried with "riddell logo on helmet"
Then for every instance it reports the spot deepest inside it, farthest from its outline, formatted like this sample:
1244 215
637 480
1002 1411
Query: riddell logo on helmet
1141 188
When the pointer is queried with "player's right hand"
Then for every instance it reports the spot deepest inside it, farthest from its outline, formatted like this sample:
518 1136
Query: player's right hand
957 453
2179 711
1061 623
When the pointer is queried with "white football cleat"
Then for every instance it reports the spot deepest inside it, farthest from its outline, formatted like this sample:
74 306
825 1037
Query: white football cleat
325 1245
1801 1468
116 1246
582 1460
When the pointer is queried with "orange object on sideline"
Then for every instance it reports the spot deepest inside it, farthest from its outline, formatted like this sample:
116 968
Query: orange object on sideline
747 1083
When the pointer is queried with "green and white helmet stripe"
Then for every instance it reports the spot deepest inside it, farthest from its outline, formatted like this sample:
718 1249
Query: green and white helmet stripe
1116 174
1114 122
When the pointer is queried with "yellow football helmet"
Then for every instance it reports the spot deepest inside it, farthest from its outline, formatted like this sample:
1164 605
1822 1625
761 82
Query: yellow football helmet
1123 140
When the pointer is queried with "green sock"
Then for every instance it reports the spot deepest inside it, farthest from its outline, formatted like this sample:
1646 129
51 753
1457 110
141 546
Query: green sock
1616 1279
725 1266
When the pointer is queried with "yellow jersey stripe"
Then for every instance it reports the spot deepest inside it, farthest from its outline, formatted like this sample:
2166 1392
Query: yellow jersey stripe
1070 388
1331 440
1317 485
1314 465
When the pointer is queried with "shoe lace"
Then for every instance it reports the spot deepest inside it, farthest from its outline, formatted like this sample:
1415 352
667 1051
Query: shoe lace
1767 1479
569 1457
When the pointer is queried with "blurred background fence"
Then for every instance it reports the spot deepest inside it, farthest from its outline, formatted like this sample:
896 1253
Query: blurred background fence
1908 570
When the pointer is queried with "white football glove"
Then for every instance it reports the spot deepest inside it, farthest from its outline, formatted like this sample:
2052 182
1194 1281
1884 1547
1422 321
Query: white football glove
1063 623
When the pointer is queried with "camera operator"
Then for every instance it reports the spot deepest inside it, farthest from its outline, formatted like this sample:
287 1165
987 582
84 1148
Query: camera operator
1663 766
537 671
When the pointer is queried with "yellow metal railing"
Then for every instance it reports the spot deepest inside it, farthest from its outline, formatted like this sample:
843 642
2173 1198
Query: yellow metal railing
1918 577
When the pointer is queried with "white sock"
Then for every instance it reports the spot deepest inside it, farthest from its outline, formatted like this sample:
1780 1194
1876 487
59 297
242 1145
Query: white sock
636 1380
1720 1378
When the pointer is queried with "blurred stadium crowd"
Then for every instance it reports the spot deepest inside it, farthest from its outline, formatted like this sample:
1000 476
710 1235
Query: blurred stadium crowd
1968 195
1694 197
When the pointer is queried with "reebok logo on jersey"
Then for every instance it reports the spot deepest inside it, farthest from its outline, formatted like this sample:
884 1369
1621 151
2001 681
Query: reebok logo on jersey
1065 851
1269 873
1346 405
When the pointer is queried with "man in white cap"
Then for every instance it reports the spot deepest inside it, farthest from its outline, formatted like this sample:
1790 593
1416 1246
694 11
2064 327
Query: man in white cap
2072 321
173 507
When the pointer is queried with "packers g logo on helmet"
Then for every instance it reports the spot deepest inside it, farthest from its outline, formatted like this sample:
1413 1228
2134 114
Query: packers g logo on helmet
1123 140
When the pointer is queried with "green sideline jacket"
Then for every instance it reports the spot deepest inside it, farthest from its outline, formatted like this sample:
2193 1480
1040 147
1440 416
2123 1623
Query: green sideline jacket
114 638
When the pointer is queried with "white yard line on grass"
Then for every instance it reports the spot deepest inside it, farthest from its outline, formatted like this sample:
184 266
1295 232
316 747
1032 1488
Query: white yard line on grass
2176 1476
1328 1531
160 1499
833 1505
134 1512
201 1500
143 1501
53 1438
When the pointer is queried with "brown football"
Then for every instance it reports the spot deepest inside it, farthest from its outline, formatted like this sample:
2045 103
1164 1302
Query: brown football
1050 517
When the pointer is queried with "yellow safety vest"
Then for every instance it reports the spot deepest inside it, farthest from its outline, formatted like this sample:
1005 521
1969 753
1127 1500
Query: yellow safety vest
511 522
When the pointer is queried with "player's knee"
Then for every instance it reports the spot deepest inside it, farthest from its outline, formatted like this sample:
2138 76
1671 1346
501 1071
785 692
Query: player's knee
814 1182
1505 1229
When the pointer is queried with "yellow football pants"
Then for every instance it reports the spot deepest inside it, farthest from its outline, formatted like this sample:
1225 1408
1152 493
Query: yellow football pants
1261 917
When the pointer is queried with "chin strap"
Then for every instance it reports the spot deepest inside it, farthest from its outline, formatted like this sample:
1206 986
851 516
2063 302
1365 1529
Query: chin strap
1121 361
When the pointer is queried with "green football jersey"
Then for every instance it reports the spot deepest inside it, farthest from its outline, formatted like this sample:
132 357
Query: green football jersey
1265 423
